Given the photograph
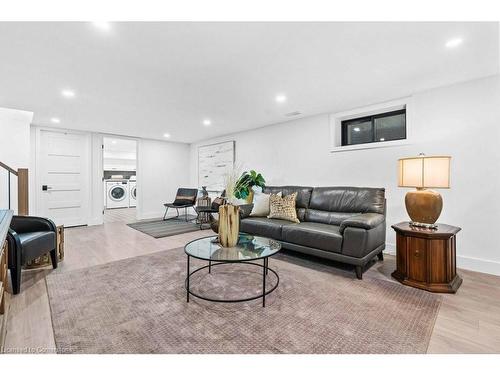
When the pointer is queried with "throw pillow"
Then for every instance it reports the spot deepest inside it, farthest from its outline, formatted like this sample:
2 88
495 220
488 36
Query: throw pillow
261 204
283 207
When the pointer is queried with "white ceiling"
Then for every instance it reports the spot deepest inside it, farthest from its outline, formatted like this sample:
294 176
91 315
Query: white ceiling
120 145
147 79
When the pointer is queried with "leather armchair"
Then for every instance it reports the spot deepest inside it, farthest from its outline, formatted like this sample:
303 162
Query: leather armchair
29 237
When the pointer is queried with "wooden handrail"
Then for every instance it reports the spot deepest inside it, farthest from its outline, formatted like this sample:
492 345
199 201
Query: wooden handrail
22 191
22 188
11 170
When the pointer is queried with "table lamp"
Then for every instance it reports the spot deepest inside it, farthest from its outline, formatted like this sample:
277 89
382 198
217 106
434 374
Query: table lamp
422 172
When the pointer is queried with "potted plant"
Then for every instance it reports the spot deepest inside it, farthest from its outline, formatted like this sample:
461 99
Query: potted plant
244 185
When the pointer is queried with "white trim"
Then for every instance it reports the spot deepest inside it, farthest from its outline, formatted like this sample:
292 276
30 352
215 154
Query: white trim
463 262
394 105
478 265
150 215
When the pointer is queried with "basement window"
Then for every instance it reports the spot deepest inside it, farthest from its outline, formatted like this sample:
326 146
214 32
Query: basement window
381 127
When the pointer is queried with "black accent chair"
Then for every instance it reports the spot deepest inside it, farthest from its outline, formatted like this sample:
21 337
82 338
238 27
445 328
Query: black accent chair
185 198
29 237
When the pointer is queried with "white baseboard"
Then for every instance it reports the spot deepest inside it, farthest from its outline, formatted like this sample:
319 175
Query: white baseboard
464 262
95 221
150 215
478 265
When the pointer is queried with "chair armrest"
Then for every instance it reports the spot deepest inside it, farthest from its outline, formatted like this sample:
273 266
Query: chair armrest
14 249
364 221
26 224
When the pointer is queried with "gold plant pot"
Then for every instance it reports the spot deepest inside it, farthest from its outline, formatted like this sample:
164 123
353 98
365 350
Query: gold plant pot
423 207
249 199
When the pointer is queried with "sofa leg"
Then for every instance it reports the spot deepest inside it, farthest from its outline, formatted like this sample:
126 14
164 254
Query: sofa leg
359 272
53 258
380 256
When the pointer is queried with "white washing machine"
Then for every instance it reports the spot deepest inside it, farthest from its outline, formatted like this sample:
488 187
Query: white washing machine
132 196
116 194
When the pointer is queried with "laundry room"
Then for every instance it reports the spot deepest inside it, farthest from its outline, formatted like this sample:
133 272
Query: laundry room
119 176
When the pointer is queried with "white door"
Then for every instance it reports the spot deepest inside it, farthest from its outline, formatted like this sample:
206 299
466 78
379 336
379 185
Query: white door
63 177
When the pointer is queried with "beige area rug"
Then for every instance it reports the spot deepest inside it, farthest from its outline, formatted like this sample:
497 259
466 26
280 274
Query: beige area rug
138 305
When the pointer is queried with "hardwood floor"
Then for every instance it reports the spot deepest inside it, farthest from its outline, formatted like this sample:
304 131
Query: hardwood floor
468 322
120 215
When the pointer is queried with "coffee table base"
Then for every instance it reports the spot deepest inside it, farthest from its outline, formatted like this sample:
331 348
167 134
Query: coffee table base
265 271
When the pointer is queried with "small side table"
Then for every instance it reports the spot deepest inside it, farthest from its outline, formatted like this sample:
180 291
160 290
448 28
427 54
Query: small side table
426 258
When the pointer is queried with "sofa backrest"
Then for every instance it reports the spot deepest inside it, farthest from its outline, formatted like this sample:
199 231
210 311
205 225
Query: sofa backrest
303 196
332 205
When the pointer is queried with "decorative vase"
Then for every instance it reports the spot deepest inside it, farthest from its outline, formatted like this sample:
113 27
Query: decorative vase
204 192
249 199
229 225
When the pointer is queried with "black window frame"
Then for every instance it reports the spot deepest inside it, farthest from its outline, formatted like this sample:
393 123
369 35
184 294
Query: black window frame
364 119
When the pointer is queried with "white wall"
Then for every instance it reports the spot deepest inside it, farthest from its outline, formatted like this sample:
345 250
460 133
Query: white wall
14 149
460 120
162 167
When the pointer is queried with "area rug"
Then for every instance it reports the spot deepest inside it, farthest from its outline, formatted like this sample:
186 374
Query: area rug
164 228
138 305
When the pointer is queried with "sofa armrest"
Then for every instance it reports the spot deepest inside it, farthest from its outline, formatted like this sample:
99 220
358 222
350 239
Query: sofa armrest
245 210
364 221
26 224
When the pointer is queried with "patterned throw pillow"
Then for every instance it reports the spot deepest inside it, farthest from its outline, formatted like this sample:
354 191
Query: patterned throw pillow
283 208
261 205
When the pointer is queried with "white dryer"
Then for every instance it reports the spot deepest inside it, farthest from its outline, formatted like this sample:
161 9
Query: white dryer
116 194
132 196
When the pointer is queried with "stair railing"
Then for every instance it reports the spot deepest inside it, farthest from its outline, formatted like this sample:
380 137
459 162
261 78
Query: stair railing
22 188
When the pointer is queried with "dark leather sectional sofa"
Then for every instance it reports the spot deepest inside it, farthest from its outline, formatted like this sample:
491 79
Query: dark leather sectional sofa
345 224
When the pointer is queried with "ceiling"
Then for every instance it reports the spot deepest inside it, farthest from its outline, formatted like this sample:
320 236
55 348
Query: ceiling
148 79
120 145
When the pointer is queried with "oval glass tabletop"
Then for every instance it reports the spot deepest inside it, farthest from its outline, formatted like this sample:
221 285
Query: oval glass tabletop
249 247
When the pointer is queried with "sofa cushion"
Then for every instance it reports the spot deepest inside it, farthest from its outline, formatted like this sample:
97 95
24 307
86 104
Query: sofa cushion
36 243
303 196
320 236
262 226
332 205
348 199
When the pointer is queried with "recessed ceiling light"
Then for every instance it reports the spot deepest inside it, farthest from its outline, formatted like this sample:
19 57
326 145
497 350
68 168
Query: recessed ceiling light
280 98
68 93
382 139
104 26
166 135
113 142
455 42
55 120
207 122
356 129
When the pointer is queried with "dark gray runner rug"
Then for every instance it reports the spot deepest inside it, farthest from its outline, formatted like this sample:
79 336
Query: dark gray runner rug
138 305
164 228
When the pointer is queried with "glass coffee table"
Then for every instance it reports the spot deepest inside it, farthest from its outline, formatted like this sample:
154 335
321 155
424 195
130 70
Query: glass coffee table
249 250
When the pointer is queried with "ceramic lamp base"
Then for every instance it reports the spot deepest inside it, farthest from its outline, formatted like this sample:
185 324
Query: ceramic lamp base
423 207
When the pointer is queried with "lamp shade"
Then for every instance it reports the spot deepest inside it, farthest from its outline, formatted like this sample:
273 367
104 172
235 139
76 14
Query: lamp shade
424 172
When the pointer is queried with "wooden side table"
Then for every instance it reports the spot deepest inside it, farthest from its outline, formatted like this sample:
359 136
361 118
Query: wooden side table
426 258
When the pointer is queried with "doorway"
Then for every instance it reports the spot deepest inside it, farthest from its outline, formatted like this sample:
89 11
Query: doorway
62 177
119 172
